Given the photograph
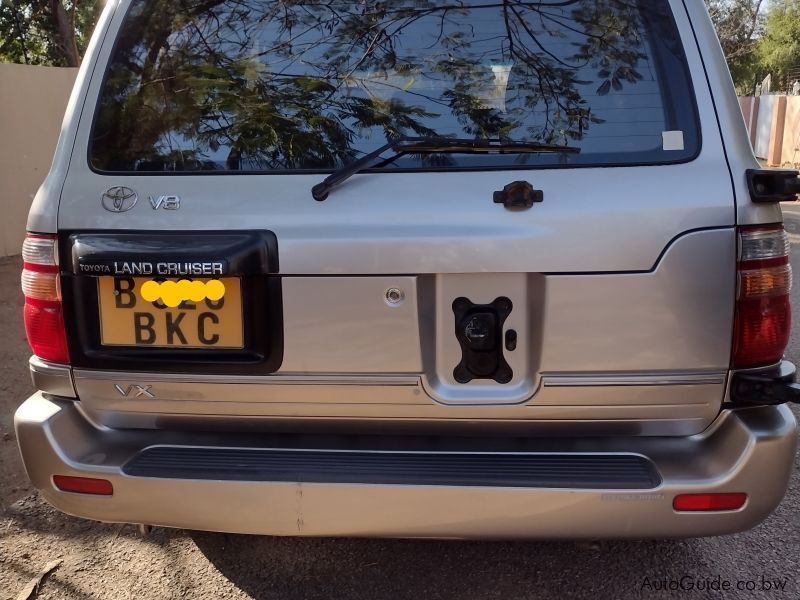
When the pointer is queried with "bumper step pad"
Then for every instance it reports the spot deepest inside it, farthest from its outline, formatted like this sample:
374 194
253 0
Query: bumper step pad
572 471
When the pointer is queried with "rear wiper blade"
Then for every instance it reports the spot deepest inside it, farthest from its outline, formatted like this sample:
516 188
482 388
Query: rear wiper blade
432 145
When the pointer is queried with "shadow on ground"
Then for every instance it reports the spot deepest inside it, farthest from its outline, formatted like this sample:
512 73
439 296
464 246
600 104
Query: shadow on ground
315 568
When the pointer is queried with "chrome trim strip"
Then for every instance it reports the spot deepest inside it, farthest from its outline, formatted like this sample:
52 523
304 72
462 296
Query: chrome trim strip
706 378
281 379
52 378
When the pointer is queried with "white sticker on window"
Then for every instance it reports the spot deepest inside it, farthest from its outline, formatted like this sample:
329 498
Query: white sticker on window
673 140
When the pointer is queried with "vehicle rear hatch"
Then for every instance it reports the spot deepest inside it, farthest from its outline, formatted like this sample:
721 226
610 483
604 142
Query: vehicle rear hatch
413 295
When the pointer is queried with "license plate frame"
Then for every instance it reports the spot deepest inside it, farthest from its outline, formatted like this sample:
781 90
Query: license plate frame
251 255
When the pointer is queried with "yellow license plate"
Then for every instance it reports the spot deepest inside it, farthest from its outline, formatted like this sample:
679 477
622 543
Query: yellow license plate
128 319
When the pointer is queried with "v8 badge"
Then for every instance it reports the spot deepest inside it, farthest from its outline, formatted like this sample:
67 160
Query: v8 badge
165 202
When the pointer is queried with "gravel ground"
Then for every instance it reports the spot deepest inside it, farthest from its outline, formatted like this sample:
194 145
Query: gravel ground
113 562
15 382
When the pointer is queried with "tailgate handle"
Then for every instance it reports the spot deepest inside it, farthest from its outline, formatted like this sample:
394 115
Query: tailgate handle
518 194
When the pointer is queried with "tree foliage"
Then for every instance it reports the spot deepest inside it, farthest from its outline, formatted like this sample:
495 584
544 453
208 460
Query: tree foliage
739 25
758 38
755 42
46 32
779 49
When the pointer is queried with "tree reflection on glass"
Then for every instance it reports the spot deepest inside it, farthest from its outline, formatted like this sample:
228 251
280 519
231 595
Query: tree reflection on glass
253 85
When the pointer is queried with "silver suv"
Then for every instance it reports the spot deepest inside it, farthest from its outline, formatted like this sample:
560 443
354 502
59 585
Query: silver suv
409 268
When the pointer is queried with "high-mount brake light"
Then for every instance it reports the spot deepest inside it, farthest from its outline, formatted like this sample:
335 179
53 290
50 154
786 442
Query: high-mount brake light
763 313
44 315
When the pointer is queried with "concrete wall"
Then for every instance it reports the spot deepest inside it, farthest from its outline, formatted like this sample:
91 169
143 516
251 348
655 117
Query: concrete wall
766 109
749 106
790 150
774 126
32 104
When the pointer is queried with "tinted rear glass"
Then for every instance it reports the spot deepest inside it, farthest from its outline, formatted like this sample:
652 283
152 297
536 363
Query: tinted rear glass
247 85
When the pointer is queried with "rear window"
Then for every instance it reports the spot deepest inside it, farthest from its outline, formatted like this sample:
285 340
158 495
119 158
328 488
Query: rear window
292 86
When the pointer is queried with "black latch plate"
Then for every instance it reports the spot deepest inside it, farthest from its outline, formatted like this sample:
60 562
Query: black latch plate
479 330
768 388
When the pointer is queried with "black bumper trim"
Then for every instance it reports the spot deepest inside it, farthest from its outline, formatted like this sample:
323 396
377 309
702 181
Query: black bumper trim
765 388
574 471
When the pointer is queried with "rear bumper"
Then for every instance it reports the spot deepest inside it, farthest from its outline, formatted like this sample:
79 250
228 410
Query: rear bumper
749 451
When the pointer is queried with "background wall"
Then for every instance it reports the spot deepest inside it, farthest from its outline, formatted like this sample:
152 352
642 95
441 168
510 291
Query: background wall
766 111
773 122
32 104
790 153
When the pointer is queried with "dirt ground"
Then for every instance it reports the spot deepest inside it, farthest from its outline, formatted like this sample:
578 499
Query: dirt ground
15 383
98 561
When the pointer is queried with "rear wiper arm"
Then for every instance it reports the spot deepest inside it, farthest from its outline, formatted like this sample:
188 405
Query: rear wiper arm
432 145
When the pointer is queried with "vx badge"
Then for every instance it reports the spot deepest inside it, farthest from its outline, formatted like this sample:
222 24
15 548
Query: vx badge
138 391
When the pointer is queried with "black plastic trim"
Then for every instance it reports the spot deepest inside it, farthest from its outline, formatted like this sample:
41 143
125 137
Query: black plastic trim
773 185
482 357
241 252
765 388
573 471
250 255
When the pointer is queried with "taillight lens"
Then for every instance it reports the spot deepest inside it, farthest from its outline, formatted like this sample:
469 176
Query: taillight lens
763 313
44 315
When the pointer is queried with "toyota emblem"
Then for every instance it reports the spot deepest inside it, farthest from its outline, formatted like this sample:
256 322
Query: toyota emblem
119 199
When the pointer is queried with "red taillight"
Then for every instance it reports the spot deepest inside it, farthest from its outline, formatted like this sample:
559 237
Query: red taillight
44 315
706 502
44 325
83 485
763 313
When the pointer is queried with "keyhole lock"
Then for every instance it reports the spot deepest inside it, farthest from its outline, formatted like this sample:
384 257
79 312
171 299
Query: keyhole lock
394 296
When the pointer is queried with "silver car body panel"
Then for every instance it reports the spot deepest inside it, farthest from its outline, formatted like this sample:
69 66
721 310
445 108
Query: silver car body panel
751 451
386 223
607 326
52 378
738 149
677 405
366 230
599 298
